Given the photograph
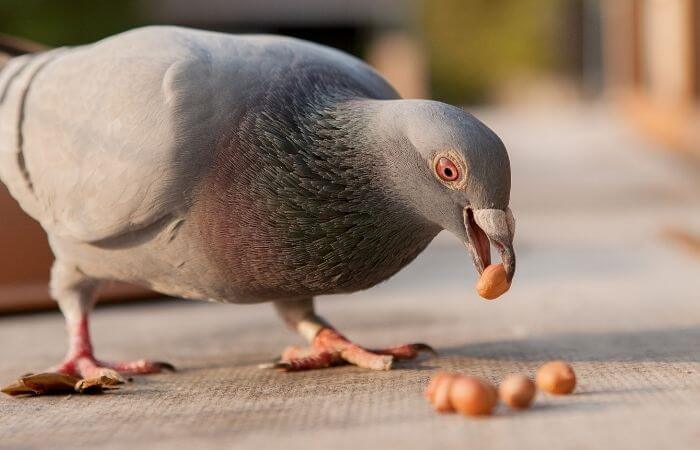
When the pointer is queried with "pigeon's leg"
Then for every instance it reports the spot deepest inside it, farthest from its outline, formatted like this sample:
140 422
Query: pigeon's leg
76 294
329 347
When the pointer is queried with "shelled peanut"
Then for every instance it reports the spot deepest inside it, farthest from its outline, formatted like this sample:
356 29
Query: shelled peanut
465 394
556 377
517 391
493 282
474 396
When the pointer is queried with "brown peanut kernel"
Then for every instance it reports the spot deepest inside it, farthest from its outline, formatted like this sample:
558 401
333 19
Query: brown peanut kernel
493 282
517 391
556 377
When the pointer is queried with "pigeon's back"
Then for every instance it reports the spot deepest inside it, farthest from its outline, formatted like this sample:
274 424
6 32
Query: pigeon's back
105 139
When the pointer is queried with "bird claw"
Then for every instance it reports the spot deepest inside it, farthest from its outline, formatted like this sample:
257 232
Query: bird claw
86 366
282 365
275 364
315 360
407 351
421 347
162 365
330 348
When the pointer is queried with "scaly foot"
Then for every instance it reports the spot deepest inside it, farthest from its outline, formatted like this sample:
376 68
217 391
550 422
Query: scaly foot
82 363
86 366
330 348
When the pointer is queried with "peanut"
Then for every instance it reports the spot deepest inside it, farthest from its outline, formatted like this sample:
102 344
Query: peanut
468 395
556 377
517 391
493 282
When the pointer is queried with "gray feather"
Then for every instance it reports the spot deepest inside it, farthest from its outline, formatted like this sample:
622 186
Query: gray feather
234 168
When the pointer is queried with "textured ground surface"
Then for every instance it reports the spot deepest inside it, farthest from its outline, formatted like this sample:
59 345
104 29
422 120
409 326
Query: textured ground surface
597 284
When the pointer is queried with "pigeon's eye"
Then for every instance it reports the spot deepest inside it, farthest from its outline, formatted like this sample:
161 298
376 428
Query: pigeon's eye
446 169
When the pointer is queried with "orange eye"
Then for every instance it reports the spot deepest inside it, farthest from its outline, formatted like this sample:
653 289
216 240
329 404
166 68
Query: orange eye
446 169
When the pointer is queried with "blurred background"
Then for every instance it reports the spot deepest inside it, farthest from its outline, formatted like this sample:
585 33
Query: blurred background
570 65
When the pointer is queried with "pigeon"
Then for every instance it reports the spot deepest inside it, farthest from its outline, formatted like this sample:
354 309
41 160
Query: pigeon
240 169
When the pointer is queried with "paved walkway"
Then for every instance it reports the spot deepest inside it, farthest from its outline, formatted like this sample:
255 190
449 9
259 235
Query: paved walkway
597 284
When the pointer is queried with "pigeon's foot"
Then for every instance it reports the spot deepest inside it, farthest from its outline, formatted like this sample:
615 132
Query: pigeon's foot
330 348
81 362
86 366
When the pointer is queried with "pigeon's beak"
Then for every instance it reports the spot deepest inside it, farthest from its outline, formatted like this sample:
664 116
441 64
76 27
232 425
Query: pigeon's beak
490 226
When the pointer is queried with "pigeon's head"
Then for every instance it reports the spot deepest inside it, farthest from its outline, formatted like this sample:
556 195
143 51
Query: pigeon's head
453 171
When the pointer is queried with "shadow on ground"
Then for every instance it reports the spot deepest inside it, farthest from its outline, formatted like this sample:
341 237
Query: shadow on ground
661 345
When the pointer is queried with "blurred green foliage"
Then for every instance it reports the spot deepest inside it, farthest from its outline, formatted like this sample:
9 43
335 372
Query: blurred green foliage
66 22
476 45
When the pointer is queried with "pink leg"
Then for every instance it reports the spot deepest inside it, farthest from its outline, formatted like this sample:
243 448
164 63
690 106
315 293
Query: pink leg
81 362
405 351
295 360
330 348
76 293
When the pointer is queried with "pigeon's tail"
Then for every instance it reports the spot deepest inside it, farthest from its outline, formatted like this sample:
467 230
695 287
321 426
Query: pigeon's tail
11 46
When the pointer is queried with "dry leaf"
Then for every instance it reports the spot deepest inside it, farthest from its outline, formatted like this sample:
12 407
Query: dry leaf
42 384
89 387
97 385
56 383
109 377
17 388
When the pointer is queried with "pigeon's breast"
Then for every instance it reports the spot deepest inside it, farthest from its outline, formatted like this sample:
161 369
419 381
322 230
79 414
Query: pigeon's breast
267 253
292 206
281 223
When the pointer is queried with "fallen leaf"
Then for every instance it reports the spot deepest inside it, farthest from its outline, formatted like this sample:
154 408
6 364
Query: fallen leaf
97 385
17 388
42 384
